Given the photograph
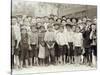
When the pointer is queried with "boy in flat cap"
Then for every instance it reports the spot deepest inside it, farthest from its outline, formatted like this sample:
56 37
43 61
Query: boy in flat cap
34 44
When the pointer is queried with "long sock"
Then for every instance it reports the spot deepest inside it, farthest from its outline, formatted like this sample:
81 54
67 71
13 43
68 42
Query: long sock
30 61
26 62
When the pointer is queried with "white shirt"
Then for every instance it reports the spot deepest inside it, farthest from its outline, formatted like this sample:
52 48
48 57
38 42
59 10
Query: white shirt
17 31
49 36
61 38
78 39
70 36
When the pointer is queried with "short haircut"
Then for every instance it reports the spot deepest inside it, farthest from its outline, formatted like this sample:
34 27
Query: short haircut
45 16
29 16
69 25
58 19
74 18
23 29
38 17
51 18
92 24
20 16
63 20
63 16
42 27
68 18
56 24
13 17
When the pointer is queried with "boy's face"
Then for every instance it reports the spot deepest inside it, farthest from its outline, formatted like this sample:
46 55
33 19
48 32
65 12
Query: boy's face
14 21
64 18
95 20
51 21
38 20
88 23
61 29
19 19
84 19
43 20
29 18
24 31
26 22
59 21
74 20
56 27
42 29
63 22
79 21
33 20
93 27
46 19
39 24
68 20
77 29
74 28
50 29
34 29
55 18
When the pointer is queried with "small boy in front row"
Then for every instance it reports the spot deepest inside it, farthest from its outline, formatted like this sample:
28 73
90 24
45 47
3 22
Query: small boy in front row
34 45
69 36
24 47
56 30
41 54
78 45
50 42
61 41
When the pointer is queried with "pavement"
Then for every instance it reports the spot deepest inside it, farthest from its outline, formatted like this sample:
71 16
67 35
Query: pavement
51 68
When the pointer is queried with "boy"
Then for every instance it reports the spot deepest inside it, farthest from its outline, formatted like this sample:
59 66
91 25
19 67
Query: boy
68 21
58 20
55 17
93 38
86 44
69 36
26 24
33 22
42 51
46 19
74 21
78 45
64 17
20 20
33 44
56 30
17 38
24 47
50 42
51 21
61 41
